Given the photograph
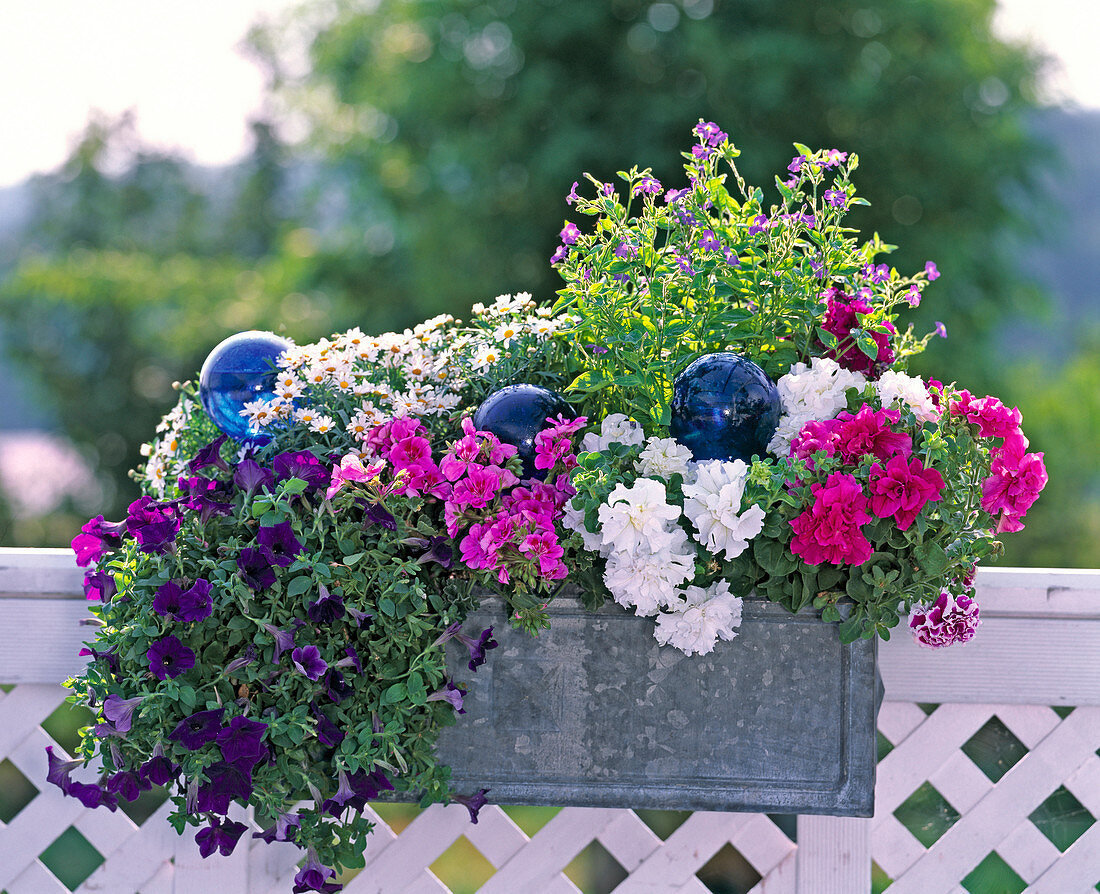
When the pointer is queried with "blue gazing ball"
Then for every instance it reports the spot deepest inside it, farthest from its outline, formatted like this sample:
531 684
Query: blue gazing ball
239 370
516 414
724 407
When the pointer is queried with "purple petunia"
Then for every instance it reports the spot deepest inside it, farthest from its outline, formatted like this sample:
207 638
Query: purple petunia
58 769
169 658
107 655
167 601
92 796
301 464
477 648
451 694
281 830
250 477
99 585
195 603
241 662
281 542
195 731
240 741
127 784
368 787
284 640
376 515
314 875
308 660
352 660
120 711
218 836
254 565
153 525
473 802
334 806
206 496
226 782
336 687
328 733
158 770
327 609
210 455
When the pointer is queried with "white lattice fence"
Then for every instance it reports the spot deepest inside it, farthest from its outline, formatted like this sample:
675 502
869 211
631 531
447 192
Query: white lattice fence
1040 646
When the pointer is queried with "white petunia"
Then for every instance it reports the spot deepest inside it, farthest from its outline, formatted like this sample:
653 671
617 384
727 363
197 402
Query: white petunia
635 517
615 429
573 519
663 457
647 582
712 501
703 618
898 387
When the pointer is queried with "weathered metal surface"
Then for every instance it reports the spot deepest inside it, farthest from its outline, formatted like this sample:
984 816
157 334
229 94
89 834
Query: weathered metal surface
594 713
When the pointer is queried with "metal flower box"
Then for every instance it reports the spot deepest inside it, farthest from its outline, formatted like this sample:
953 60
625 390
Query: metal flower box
594 713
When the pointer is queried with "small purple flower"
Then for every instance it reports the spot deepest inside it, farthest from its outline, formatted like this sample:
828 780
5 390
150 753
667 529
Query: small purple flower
328 609
597 349
153 525
701 153
368 787
941 330
796 164
250 477
254 565
573 198
730 257
92 796
709 131
58 770
649 186
949 620
834 157
473 802
210 455
127 784
931 271
328 733
226 782
376 515
158 770
99 585
451 694
708 241
195 603
334 806
684 263
241 662
352 660
301 464
281 830
314 875
96 538
168 658
626 250
836 197
878 274
219 837
570 233
791 182
206 496
477 648
197 730
120 711
913 296
559 255
240 741
760 223
674 195
308 660
284 640
108 655
281 542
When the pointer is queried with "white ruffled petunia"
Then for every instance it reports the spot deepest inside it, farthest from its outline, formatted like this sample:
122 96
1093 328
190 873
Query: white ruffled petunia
615 429
898 387
647 582
573 519
636 517
703 618
814 392
712 501
663 457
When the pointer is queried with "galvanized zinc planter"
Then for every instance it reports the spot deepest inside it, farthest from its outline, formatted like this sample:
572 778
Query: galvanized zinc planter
594 713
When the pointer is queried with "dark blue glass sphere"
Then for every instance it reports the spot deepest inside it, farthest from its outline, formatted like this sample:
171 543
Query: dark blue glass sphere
724 407
239 370
516 414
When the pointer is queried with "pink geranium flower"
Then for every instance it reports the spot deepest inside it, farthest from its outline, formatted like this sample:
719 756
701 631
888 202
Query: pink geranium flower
829 530
901 489
351 470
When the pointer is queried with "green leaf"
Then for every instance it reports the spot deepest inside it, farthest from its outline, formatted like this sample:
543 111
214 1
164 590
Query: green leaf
827 338
866 344
386 606
294 486
396 693
299 585
931 558
589 381
353 558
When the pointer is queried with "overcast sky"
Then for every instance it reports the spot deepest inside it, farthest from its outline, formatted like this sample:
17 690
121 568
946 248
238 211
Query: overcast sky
178 65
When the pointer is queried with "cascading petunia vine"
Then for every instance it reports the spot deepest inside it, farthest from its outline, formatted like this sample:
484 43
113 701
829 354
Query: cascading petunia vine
271 620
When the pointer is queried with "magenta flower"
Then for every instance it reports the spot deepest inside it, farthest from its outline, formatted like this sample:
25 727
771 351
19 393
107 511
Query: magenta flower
96 538
931 271
169 658
949 620
570 233
478 489
573 198
829 530
901 489
559 255
99 585
869 432
153 525
834 157
351 471
993 418
840 320
1015 482
308 660
197 730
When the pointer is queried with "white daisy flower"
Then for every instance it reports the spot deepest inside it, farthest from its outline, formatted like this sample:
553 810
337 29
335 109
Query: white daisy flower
322 424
